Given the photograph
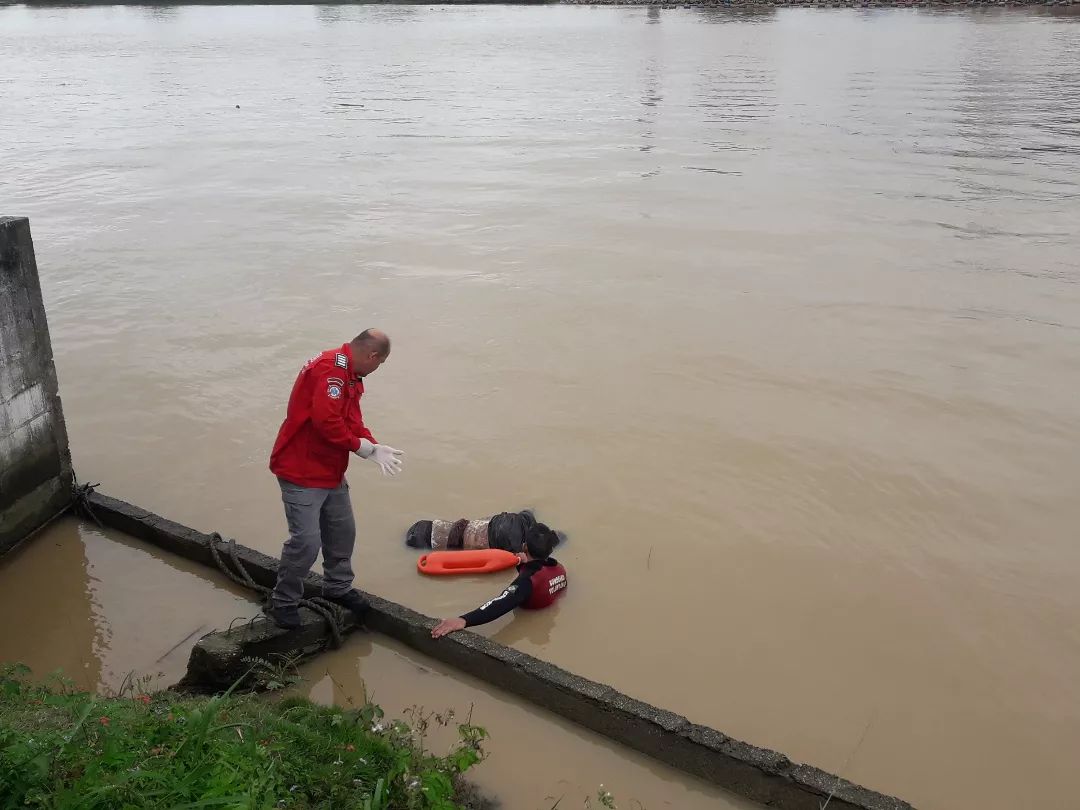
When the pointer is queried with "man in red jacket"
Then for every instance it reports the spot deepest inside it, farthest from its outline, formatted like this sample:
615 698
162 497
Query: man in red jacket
323 425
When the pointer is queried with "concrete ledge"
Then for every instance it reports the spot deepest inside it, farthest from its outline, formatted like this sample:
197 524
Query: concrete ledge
759 774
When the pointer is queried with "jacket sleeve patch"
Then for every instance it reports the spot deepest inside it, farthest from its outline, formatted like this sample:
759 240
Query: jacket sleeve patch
333 391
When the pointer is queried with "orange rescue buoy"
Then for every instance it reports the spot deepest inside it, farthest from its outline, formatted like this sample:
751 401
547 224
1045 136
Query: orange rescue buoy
469 561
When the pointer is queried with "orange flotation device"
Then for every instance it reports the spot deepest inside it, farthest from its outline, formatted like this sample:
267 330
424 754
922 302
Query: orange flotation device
469 561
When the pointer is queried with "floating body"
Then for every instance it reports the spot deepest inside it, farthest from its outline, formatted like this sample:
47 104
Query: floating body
505 530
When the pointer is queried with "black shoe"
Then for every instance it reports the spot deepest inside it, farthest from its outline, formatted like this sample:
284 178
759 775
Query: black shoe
285 617
354 603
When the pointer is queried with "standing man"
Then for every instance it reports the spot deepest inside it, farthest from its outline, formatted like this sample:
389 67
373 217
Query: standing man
323 424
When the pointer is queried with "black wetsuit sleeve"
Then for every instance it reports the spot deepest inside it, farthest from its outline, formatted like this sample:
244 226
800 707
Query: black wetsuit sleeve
516 594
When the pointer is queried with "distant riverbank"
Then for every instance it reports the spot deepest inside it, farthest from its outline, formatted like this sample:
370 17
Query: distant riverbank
763 4
737 4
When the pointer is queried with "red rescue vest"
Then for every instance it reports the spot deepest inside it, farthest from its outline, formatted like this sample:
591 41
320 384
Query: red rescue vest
548 584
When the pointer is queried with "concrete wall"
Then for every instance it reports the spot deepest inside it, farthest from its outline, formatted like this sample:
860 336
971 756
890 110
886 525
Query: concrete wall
35 463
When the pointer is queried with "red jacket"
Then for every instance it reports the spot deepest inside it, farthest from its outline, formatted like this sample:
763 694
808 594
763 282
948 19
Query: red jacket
323 423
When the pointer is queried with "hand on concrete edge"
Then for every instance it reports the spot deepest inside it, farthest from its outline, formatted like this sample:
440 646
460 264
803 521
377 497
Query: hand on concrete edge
447 626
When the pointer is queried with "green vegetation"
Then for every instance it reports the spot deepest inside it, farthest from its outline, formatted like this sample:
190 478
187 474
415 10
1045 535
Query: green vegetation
61 749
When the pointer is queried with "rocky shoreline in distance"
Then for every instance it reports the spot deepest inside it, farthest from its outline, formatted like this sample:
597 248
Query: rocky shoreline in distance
763 4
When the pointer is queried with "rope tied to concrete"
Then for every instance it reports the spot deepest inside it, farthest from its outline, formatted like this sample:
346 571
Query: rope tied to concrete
80 502
334 615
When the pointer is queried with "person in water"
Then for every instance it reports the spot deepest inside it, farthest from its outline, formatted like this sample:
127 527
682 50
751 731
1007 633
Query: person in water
505 530
541 580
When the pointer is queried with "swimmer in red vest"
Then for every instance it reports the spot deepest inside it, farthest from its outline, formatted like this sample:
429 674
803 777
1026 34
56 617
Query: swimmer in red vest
540 581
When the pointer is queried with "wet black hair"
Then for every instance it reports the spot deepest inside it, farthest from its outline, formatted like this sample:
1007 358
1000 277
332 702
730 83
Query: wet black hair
540 541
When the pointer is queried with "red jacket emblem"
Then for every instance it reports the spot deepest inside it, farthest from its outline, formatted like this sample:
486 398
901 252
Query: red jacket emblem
323 423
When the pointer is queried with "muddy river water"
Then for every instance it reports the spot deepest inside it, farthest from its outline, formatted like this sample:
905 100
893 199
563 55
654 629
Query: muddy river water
777 315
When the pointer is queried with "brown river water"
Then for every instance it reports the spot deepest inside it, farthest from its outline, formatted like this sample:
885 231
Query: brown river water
775 314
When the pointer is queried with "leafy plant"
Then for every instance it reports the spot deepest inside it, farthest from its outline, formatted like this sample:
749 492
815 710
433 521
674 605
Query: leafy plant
272 676
63 749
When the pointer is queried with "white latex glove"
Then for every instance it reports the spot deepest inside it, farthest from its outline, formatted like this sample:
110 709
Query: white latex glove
382 454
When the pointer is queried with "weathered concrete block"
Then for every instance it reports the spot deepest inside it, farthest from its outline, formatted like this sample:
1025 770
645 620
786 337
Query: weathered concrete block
222 658
35 463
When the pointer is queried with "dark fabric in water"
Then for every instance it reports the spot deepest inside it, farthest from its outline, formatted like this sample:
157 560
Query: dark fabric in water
455 540
507 530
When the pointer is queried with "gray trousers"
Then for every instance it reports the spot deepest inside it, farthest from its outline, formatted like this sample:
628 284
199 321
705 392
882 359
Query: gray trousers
317 518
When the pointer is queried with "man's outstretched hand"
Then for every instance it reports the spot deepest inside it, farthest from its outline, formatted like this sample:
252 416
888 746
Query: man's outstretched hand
447 626
384 455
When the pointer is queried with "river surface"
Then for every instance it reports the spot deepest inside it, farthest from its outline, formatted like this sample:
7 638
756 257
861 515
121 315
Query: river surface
776 314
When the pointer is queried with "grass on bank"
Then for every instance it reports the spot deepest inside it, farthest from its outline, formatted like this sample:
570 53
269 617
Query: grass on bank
61 749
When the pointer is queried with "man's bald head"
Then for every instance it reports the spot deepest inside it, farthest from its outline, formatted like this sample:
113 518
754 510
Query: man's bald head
374 340
369 349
